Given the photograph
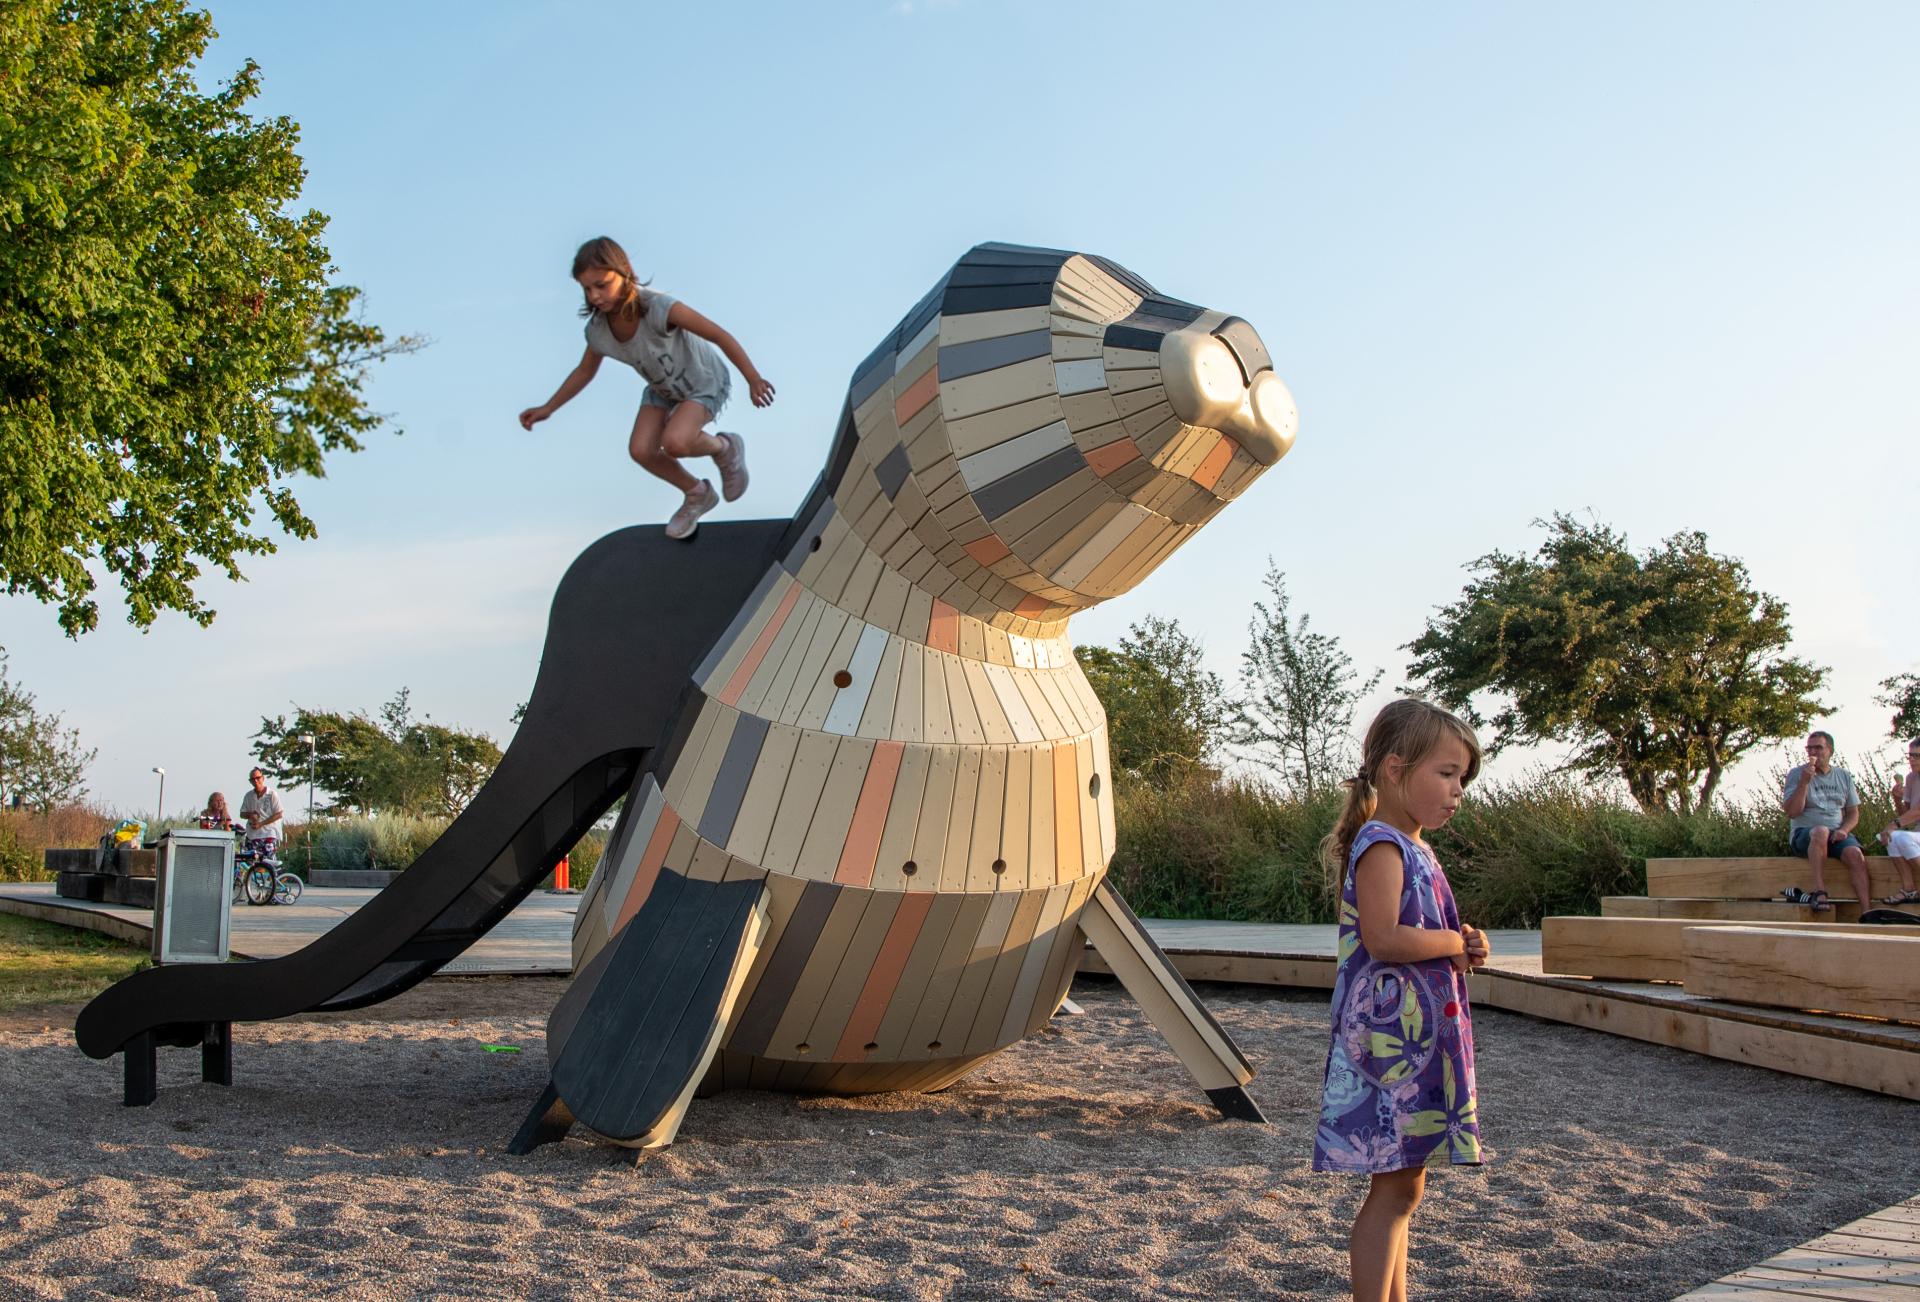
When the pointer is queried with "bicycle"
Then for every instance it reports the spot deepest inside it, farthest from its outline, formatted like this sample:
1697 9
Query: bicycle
258 877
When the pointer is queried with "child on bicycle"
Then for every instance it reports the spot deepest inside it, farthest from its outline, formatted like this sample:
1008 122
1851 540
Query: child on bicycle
679 354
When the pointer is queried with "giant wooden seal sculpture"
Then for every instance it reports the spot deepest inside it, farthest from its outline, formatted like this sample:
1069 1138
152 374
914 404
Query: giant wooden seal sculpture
867 857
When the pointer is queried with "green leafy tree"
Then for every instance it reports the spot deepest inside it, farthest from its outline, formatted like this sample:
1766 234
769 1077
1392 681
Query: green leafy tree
1301 690
1662 668
171 348
1165 711
1901 694
41 762
391 764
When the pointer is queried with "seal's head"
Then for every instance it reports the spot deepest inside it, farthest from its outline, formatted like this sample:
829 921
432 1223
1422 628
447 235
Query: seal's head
1047 428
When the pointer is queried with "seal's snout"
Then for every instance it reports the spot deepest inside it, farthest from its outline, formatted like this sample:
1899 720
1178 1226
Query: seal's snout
1222 378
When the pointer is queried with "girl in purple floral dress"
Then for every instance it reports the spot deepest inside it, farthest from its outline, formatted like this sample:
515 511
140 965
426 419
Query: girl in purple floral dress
1399 1092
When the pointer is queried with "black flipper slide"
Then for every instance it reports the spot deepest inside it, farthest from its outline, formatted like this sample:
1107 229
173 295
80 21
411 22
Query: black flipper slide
1891 917
649 1010
630 622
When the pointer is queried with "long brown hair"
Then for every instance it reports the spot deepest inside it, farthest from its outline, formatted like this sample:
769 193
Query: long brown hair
1408 729
603 253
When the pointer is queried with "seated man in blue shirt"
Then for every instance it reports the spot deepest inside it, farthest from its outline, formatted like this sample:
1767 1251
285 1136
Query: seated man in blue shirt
1822 807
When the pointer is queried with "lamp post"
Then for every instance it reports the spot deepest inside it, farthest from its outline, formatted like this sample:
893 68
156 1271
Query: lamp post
160 812
307 737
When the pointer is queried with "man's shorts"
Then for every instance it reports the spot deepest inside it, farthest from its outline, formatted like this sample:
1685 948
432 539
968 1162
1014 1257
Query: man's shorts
1904 844
1803 837
713 402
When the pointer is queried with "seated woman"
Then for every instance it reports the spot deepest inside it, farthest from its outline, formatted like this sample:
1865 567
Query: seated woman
215 815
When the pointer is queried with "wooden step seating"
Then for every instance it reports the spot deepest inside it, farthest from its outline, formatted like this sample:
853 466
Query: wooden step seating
1746 890
1844 971
1654 949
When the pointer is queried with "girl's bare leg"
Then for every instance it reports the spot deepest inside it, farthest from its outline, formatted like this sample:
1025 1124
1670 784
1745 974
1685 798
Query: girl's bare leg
1378 1247
645 447
685 435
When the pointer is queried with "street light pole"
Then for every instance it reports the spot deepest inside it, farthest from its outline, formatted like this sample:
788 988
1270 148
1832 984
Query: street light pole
307 737
160 813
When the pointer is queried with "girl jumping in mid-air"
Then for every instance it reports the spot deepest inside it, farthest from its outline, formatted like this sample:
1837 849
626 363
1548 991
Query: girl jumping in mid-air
1399 1093
678 351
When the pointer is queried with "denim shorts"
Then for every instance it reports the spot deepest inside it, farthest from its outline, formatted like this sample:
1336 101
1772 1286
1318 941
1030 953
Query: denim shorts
1803 837
713 402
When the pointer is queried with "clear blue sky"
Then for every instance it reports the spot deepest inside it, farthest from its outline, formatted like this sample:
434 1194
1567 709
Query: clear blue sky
1652 261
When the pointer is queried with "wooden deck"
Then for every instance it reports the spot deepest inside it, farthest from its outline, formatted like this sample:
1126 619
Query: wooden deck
1876 1257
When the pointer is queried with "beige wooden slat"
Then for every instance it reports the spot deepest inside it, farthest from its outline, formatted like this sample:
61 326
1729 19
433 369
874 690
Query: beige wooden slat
1162 996
767 689
988 943
1001 387
996 998
863 947
888 602
1835 972
1760 878
995 729
909 715
1042 844
1044 717
1012 702
1068 943
916 978
803 1004
1067 348
1094 852
690 783
1109 840
812 763
1089 410
936 713
966 794
936 809
967 727
1651 949
1016 820
808 669
1034 962
749 633
826 834
989 811
903 824
971 434
765 789
1062 323
1639 906
941 986
966 327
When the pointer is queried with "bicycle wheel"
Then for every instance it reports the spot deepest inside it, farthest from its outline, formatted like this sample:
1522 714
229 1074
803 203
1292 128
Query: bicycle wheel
259 886
287 888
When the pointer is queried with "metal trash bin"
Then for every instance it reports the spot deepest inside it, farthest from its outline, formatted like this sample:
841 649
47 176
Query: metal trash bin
193 896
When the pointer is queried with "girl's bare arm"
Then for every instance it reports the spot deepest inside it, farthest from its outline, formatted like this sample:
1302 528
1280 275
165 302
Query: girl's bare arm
577 379
1378 880
685 318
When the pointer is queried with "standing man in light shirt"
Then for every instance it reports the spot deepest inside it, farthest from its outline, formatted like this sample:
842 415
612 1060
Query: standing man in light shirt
260 811
1822 807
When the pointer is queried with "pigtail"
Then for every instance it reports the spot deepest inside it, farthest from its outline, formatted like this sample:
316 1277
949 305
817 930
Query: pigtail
1358 807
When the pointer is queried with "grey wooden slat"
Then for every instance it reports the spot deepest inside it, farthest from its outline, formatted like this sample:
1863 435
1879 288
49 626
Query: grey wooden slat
958 360
730 783
1023 485
768 999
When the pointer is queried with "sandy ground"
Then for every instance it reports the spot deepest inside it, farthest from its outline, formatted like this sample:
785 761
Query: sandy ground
360 1155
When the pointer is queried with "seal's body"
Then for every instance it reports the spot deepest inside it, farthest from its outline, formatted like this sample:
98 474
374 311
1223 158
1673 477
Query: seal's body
869 856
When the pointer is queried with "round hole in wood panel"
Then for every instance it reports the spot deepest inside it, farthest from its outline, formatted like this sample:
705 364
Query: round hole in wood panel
1093 786
842 678
909 868
803 1048
871 1046
814 546
999 865
934 1044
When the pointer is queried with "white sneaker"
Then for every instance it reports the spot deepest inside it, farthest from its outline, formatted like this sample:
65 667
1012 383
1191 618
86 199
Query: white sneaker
732 464
687 519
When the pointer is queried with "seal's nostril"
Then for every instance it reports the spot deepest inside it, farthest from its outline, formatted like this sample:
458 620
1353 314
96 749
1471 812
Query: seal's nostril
1202 378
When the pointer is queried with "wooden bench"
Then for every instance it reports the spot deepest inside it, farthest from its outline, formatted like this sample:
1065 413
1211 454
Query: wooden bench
1760 878
1718 910
1652 949
1870 975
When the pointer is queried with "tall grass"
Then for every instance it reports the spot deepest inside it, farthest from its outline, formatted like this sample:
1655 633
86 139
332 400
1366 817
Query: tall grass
1518 851
26 836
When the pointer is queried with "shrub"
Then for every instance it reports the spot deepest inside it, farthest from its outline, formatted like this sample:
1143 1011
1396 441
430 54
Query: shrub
26 836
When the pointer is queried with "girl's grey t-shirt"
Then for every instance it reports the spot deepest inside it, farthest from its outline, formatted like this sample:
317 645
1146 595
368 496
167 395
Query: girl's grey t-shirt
1830 793
676 364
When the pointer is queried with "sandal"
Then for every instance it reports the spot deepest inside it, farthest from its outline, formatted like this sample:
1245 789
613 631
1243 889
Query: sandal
1903 897
1794 895
1818 901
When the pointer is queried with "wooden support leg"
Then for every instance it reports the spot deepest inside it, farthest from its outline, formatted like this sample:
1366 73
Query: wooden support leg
547 1122
216 1054
1202 1044
142 1076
